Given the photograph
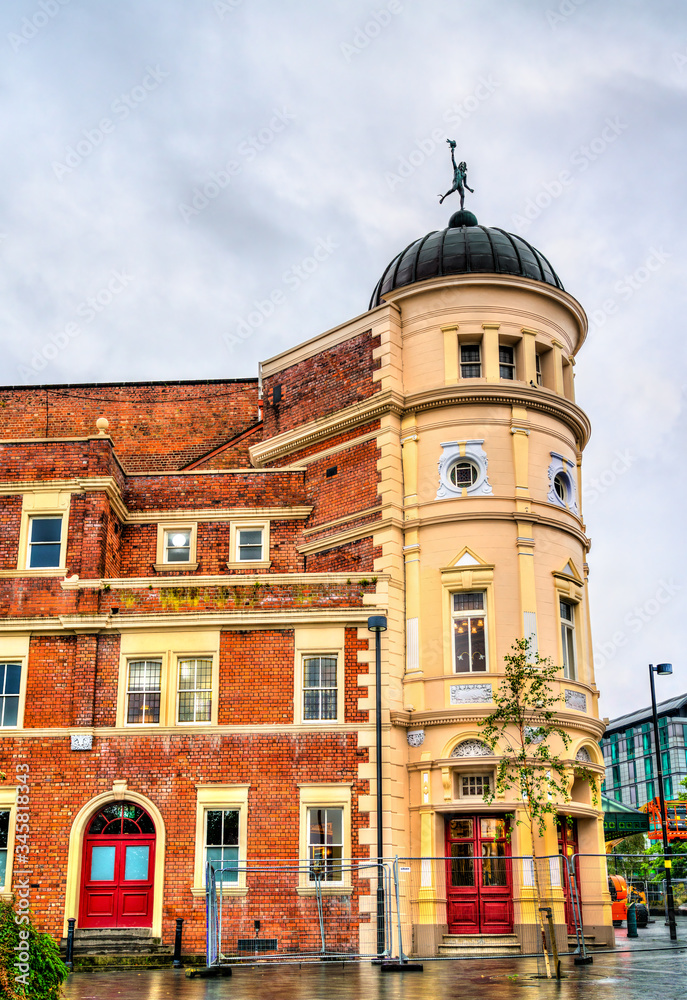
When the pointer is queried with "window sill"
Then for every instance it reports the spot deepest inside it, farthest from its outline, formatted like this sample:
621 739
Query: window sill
40 571
248 564
327 890
175 567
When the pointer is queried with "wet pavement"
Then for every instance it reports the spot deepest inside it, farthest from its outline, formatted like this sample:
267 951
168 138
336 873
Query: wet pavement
649 968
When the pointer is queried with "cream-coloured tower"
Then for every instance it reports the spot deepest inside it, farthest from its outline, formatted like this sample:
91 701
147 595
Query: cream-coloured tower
483 543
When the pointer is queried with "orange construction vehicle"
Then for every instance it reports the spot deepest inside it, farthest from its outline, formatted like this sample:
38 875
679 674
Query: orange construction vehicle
621 896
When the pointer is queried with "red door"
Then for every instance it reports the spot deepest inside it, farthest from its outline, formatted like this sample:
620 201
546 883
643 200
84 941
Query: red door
118 868
567 848
478 875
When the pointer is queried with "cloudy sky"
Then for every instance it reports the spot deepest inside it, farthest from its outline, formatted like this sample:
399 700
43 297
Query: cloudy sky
181 158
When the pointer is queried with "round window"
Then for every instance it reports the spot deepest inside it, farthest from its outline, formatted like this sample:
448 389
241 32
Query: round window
560 484
463 474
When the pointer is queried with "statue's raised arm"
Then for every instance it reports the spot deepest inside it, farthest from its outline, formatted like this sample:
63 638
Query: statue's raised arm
460 177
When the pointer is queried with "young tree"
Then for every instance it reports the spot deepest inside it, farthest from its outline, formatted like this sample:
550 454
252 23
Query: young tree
524 726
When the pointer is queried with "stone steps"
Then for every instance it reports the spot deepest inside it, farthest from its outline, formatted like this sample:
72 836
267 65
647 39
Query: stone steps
122 941
479 945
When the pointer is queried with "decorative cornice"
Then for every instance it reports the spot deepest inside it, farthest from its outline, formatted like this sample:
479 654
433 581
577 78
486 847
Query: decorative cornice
388 401
352 535
227 580
444 717
299 513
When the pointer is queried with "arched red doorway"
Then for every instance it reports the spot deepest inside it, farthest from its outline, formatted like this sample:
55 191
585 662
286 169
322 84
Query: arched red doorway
118 868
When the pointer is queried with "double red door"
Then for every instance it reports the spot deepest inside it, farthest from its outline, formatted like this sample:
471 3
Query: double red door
478 875
118 869
568 848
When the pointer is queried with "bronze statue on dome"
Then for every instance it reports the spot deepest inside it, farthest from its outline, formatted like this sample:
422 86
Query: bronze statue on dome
460 177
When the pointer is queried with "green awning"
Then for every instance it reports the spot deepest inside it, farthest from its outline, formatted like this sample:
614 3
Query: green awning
621 820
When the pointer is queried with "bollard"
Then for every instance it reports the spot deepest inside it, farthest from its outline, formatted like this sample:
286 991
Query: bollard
69 958
632 921
177 964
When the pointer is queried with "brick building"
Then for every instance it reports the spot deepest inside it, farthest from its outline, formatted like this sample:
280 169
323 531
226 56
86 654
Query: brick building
186 573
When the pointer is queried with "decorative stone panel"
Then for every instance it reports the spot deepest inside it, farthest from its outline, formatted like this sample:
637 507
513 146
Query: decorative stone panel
468 694
415 737
566 469
583 755
82 741
576 700
534 733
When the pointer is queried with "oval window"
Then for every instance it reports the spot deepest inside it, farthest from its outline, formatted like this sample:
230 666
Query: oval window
560 484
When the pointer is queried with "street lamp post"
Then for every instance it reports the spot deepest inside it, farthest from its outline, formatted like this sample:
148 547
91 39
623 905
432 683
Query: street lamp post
377 624
662 669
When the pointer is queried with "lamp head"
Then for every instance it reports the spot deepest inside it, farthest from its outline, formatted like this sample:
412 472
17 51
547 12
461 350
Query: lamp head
664 668
377 623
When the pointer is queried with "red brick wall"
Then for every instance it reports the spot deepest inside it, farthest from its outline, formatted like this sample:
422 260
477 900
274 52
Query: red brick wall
224 489
256 677
62 781
10 521
154 425
318 386
50 682
355 557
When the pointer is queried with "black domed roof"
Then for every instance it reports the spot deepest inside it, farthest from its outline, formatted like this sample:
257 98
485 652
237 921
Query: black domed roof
465 248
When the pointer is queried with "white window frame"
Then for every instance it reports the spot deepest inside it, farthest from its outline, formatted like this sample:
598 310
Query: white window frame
462 364
317 641
469 615
224 798
507 364
164 531
320 656
324 796
568 639
180 659
170 647
147 660
234 544
8 803
52 504
538 368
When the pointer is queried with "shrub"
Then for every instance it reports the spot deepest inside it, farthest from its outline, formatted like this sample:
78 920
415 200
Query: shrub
46 970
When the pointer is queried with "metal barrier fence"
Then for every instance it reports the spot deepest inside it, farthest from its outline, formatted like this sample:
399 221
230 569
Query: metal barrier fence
433 908
290 911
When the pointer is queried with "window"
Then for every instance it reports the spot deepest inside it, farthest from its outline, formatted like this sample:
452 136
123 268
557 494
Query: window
470 361
632 770
195 690
630 745
249 544
665 761
319 688
469 632
178 545
568 639
143 692
616 775
562 473
606 747
646 739
614 747
222 843
537 362
325 844
10 683
633 795
618 795
650 794
45 542
474 785
463 474
648 767
506 362
668 787
4 839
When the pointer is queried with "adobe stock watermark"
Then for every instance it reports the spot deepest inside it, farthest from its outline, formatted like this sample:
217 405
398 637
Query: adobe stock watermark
371 29
564 11
293 278
31 25
622 462
427 146
87 311
580 159
246 151
626 287
224 7
635 620
22 875
121 108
